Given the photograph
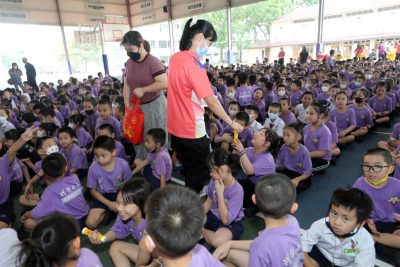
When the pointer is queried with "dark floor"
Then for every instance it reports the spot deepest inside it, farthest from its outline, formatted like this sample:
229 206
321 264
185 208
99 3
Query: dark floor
313 203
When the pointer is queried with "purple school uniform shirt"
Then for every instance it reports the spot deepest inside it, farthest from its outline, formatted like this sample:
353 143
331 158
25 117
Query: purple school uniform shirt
269 98
262 163
300 162
59 116
318 140
5 178
278 247
84 138
381 105
88 258
385 199
202 258
72 105
120 150
90 120
114 123
397 171
396 131
233 196
75 157
394 100
65 195
363 116
16 171
324 96
161 164
245 95
123 229
343 120
245 136
289 118
65 111
332 128
295 97
108 182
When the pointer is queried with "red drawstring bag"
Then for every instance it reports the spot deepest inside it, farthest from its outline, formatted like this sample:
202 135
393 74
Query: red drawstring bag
134 123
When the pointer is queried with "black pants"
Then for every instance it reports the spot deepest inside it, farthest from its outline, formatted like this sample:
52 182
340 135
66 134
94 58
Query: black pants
32 82
193 154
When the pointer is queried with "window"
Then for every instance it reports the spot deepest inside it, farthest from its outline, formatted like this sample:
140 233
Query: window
164 58
163 44
153 44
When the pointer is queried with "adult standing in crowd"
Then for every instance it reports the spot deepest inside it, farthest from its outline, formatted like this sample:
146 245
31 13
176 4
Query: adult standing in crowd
281 57
303 55
145 78
30 74
15 76
188 85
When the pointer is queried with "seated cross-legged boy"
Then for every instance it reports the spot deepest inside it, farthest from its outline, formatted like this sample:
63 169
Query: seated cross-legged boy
279 244
385 192
340 239
174 225
105 174
63 194
157 167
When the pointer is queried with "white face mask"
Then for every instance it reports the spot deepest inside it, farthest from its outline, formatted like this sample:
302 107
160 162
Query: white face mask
281 93
52 149
231 95
232 113
343 86
3 119
324 89
368 76
71 125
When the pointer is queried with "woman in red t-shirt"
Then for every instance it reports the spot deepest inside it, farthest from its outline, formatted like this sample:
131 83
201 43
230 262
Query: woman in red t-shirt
189 90
145 78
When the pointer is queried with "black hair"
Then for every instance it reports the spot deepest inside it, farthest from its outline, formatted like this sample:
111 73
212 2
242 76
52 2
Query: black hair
342 93
242 78
275 141
252 79
48 127
297 127
146 46
259 89
307 93
174 220
320 106
12 134
297 82
50 242
275 195
54 165
285 99
353 198
104 142
381 84
68 130
77 118
40 141
63 99
133 38
38 106
243 116
327 82
281 85
253 108
230 81
276 105
90 100
107 126
135 191
234 103
103 101
158 135
220 157
201 26
47 111
385 154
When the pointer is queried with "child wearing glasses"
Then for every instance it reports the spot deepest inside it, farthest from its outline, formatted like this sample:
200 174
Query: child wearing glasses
384 222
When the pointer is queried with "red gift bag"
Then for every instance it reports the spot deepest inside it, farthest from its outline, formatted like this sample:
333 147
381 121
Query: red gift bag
134 123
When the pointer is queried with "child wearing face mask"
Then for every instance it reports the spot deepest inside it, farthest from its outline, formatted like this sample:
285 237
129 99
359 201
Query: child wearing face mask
364 120
63 194
44 146
157 167
5 125
90 113
253 112
280 93
259 102
274 122
233 109
326 85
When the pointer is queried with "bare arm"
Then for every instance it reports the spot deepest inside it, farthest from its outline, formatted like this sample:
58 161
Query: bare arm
139 166
216 107
207 205
127 94
160 83
318 154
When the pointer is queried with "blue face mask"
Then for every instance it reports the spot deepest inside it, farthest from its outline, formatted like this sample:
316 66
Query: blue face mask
357 84
272 116
201 52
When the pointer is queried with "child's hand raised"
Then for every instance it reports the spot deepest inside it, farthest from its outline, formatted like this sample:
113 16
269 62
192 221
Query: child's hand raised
238 146
28 134
228 137
219 187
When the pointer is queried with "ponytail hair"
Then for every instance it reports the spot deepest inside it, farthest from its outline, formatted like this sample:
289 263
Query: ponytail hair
49 243
220 157
201 26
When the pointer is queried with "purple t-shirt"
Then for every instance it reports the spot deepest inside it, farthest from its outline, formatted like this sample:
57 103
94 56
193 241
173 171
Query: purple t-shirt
396 131
161 164
289 118
318 140
59 116
363 116
65 195
343 120
324 96
269 98
332 128
295 97
123 229
64 110
262 163
120 150
381 105
113 122
16 168
108 182
397 171
88 258
5 174
84 138
90 120
233 196
278 247
245 136
202 258
300 162
245 95
385 199
75 157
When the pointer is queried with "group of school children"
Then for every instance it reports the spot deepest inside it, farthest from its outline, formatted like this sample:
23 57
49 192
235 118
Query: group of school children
297 120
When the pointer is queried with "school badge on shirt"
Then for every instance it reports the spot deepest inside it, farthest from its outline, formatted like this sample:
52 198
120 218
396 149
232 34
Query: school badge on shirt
315 141
300 165
353 249
392 200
